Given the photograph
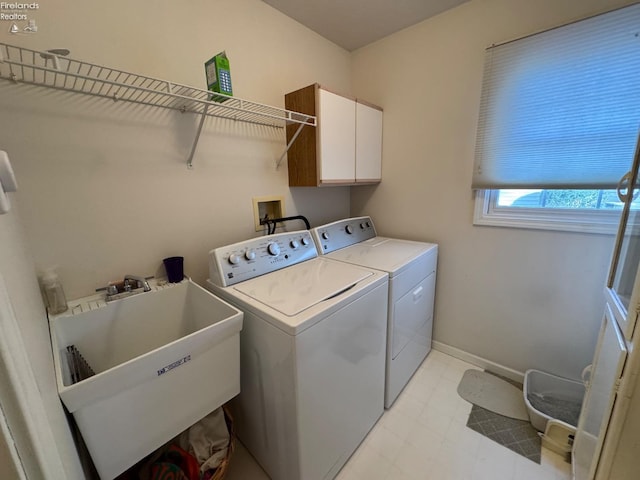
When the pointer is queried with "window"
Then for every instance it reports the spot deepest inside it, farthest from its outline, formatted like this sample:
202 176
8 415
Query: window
558 125
593 211
560 199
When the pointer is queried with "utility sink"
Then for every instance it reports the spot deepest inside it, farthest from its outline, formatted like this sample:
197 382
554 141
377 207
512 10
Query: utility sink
162 360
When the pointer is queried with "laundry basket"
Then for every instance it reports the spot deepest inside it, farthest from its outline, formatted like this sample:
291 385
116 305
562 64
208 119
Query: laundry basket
222 469
186 455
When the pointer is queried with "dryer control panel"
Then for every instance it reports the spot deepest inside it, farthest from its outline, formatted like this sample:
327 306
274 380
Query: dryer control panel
343 233
254 257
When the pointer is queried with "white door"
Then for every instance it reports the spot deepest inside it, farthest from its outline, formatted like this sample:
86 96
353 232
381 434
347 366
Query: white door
623 287
368 143
10 464
25 428
621 311
337 138
600 398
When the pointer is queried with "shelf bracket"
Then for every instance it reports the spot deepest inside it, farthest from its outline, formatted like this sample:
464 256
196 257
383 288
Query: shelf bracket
293 139
195 140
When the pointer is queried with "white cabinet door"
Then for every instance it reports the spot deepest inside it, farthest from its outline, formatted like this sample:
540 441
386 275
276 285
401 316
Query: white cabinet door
337 138
608 363
368 143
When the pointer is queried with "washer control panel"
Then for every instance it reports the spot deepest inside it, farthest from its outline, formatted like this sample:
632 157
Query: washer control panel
343 233
254 257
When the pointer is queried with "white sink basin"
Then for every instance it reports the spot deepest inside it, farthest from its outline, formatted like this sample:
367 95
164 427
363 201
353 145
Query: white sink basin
162 360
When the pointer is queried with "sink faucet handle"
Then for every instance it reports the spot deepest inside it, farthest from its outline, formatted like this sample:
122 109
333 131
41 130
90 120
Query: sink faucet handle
110 289
140 282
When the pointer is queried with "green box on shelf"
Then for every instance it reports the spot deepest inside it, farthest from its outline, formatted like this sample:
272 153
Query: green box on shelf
218 76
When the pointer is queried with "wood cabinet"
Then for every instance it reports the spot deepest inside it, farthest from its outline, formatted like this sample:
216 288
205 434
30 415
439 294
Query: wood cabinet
345 148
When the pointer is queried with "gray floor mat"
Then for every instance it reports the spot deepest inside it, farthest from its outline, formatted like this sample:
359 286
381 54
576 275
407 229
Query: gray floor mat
493 393
516 435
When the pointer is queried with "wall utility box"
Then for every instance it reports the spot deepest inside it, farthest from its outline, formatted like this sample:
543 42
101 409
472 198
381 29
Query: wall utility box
270 206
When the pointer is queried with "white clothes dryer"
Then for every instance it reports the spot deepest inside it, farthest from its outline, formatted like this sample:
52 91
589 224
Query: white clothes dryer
412 279
312 352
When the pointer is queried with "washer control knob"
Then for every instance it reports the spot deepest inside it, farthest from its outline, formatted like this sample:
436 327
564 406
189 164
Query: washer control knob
325 235
304 241
273 249
234 259
349 229
294 244
362 226
368 225
250 254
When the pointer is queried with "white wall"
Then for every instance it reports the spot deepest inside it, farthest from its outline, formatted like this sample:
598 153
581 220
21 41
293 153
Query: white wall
104 185
104 189
520 298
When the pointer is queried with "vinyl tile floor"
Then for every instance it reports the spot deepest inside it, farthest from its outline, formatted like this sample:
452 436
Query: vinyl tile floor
423 436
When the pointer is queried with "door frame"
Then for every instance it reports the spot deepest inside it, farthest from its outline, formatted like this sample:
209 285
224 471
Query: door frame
26 429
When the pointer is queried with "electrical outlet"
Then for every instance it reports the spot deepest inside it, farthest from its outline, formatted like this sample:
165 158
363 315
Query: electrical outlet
271 206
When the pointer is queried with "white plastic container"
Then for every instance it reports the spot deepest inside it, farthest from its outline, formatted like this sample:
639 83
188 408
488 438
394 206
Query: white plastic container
163 360
551 386
53 292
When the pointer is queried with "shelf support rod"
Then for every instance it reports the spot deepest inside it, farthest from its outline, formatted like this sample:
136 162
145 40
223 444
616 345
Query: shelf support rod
293 139
195 140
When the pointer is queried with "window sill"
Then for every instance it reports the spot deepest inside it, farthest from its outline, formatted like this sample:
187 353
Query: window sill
599 222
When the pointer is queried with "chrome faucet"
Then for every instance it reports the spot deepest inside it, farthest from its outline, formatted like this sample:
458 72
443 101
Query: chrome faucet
140 282
131 285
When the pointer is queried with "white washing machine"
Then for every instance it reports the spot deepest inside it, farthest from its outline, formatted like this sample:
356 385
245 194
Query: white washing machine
312 352
412 279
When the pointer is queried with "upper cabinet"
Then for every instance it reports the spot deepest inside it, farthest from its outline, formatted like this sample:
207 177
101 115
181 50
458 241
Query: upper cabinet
336 139
345 148
368 142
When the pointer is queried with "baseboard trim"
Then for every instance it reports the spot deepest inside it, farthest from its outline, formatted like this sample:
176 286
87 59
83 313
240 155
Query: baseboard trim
479 361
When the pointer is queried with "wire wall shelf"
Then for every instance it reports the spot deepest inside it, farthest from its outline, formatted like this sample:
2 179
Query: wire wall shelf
53 69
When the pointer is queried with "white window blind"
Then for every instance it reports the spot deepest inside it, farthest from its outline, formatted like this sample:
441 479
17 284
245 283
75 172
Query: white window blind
561 108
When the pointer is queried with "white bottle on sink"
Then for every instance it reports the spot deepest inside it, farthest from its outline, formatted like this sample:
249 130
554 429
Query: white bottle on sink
53 292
